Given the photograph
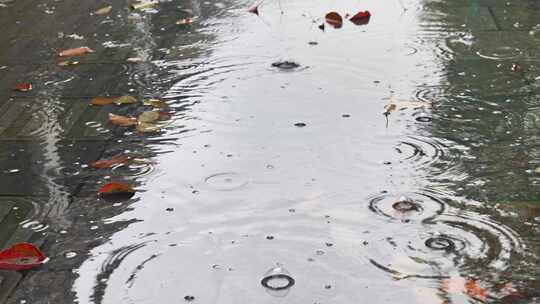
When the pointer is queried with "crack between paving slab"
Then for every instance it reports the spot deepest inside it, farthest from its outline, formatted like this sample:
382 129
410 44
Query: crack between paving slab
495 21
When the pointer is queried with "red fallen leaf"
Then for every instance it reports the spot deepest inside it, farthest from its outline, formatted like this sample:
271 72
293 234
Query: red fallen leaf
474 290
122 121
75 52
254 9
23 87
334 19
113 187
21 256
361 18
111 162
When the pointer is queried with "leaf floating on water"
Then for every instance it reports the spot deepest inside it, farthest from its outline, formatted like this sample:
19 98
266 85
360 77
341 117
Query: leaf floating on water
103 11
148 116
156 103
185 21
145 127
254 9
134 59
122 121
285 65
111 162
126 99
100 101
21 256
142 5
361 18
401 105
334 19
75 52
474 290
23 87
116 192
389 108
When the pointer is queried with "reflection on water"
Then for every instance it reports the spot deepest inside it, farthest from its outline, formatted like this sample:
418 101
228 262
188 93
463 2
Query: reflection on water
277 152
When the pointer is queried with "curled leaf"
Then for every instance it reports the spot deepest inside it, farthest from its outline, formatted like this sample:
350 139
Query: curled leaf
148 116
75 52
122 121
254 9
111 162
361 18
104 10
334 19
23 87
21 256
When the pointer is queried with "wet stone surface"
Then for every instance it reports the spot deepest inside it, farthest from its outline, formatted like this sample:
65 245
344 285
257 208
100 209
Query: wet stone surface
258 160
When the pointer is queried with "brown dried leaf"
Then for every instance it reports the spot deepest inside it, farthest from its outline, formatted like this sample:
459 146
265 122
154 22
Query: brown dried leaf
103 11
75 51
100 101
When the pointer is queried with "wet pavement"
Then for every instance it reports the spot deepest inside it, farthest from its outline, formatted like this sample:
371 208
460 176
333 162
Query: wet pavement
392 161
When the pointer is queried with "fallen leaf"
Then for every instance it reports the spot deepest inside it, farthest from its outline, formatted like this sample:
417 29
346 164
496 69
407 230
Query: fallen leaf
389 108
23 87
100 101
122 121
156 103
111 162
474 290
21 256
361 18
67 63
184 21
103 11
134 59
148 116
75 52
126 99
114 191
334 19
141 5
254 9
145 127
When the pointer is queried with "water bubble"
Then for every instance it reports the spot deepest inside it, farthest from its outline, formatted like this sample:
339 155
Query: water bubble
70 255
277 281
405 204
441 243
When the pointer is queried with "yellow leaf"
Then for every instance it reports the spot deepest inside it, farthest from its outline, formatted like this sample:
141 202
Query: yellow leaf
147 127
148 116
156 103
126 99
